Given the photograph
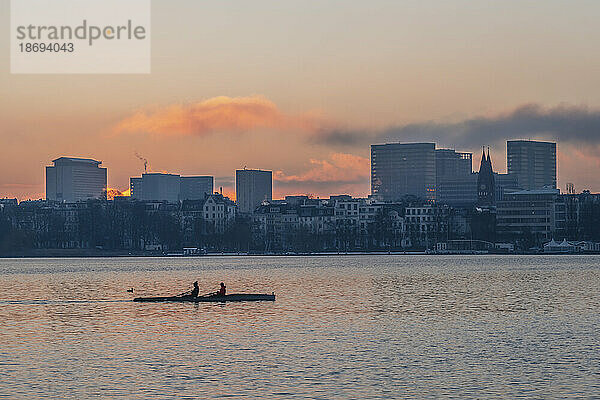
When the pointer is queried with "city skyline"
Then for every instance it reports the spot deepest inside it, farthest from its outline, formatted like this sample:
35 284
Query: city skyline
302 199
451 171
320 179
254 85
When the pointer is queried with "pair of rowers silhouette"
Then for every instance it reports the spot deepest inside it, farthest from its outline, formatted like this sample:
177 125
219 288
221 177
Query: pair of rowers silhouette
194 292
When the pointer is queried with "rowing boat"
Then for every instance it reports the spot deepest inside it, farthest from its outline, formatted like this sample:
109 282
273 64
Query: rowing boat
213 298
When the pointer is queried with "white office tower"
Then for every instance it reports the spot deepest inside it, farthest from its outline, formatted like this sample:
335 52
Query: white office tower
74 179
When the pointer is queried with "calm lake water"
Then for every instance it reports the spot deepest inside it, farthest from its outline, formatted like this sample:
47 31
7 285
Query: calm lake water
360 327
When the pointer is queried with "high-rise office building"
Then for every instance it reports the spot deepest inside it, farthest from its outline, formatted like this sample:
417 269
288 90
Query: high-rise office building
455 182
170 187
532 162
252 187
399 169
74 179
451 164
159 187
195 187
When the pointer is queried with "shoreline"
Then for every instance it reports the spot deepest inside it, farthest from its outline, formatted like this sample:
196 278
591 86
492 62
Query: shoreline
60 253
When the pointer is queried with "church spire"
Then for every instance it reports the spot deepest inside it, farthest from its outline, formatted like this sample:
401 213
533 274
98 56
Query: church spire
483 159
486 184
489 162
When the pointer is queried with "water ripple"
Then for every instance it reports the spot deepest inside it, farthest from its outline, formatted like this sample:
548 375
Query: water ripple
342 327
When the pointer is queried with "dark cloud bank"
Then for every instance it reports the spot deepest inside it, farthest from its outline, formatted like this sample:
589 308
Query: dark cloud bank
566 124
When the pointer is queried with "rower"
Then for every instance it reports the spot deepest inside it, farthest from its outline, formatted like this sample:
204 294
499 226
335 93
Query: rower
195 290
222 290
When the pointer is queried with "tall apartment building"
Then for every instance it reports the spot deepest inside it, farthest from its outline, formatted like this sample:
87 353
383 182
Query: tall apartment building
252 187
532 162
399 169
170 187
74 179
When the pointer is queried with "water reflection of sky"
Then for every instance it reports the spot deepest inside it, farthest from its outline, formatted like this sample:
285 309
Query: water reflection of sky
342 327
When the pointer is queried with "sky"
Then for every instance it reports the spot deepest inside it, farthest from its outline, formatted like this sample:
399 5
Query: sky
303 87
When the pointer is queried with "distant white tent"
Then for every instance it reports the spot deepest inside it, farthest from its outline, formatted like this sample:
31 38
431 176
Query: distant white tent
562 247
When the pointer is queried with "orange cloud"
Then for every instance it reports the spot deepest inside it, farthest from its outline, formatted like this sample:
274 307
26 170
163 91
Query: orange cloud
340 168
218 114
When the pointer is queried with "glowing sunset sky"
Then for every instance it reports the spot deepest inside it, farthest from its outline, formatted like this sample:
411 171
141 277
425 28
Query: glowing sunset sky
303 87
